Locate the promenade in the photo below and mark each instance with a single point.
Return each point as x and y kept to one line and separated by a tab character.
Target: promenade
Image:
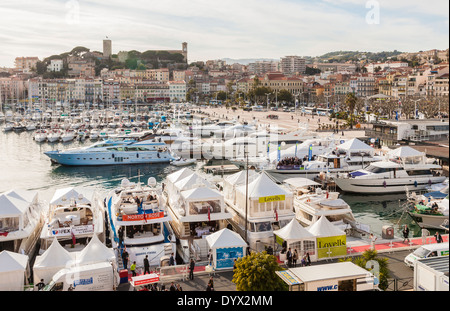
395	251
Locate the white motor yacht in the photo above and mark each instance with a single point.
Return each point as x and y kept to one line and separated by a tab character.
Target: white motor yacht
21	221
197	210
54	135
74	215
142	228
405	170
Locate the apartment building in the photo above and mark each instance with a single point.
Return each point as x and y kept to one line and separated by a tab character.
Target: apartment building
262	67
292	65
55	65
177	91
25	64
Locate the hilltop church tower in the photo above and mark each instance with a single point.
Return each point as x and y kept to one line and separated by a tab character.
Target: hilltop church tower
107	48
184	51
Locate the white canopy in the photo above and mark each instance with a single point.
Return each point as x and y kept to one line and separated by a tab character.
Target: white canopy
263	186
300	182
179	175
405	151
202	194
28	196
51	261
11	206
191	181
95	252
241	177
225	238
13	269
324	228
65	195
293	231
355	145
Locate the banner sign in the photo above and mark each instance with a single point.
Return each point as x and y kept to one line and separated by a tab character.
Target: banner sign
332	246
142	217
75	230
274	198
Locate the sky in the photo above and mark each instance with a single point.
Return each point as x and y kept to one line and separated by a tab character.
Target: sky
222	29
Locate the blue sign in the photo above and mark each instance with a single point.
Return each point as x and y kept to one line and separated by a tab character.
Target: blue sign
310	153
225	256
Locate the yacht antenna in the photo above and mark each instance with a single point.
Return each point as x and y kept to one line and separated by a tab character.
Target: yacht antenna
246	197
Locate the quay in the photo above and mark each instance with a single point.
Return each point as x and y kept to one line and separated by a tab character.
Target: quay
395	251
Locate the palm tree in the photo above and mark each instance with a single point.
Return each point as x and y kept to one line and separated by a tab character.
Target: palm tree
351	101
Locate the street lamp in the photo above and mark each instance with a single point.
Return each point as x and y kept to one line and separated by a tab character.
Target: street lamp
267	94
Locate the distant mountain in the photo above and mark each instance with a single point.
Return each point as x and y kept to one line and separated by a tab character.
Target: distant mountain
231	61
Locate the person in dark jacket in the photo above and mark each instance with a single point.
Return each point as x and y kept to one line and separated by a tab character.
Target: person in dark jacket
191	269
146	265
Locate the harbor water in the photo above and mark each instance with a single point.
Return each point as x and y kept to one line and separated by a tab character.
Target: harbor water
23	165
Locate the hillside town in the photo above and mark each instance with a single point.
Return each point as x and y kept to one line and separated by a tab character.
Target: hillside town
167	76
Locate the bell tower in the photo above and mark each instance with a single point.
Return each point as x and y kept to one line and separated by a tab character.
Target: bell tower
185	51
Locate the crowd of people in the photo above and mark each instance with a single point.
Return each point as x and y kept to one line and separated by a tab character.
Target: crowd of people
291	161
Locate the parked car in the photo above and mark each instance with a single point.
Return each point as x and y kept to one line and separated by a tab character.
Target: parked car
275	109
272	116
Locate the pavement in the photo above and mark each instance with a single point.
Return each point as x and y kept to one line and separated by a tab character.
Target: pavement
394	250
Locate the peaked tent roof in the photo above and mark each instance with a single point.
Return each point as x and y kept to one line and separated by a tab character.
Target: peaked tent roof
54	256
355	144
201	193
405	151
10	261
225	238
11	206
25	195
191	180
94	252
63	196
180	174
240	177
324	228
293	231
263	186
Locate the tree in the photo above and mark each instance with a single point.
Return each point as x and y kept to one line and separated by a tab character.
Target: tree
256	272
285	95
77	51
350	102
370	261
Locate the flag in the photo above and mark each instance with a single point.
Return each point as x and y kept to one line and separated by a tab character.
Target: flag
310	153
279	152
296	145
209	213
399	103
74	240
396	115
276	215
268	147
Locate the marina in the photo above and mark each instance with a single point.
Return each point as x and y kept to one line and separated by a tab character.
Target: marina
146	193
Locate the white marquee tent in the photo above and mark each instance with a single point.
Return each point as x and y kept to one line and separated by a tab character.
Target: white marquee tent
226	246
330	240
233	181
65	195
51	261
95	252
13	271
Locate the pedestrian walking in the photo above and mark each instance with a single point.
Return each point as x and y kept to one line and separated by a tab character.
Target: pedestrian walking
120	232
210	257
289	257
304	261
308	259
146	265
173	288
125	256
405	233
372	241
172	260
295	258
133	268
209	288
211	282
438	237
191	269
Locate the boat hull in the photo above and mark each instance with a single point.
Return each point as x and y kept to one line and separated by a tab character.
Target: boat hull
383	186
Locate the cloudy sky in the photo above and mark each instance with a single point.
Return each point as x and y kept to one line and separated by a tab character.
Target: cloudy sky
222	29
